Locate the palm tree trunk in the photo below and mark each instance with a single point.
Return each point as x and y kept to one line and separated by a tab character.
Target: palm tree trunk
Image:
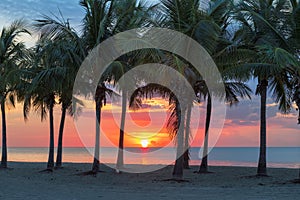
96	163
204	163
60	137
4	141
50	163
178	167
120	159
186	157
262	163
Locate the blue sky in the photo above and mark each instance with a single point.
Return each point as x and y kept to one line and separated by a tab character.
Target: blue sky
32	9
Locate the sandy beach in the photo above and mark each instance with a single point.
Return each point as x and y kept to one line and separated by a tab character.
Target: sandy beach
24	181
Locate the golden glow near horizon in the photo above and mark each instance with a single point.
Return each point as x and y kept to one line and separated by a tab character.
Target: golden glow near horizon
282	129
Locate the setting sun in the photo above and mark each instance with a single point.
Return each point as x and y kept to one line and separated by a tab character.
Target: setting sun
144	143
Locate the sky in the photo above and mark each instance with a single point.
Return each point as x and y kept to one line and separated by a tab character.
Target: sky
241	128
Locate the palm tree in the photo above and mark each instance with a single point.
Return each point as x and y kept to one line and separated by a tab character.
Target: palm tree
218	11
105	18
11	54
48	76
129	14
209	27
295	18
71	55
97	23
97	26
233	90
179	121
204	162
182	16
228	55
263	29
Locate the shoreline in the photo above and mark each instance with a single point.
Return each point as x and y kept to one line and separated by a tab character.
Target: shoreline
211	163
24	181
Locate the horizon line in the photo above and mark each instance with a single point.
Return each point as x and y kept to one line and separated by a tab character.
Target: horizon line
165	147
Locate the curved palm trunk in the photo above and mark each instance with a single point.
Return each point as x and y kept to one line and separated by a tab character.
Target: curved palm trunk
50	163
120	159
96	163
4	142
204	163
186	156
60	137
262	163
178	167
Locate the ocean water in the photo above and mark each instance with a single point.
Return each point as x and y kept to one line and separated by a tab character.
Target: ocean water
277	157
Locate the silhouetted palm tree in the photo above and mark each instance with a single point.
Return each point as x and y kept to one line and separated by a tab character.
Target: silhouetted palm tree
263	29
233	91
209	27
104	19
129	14
48	75
185	17
295	19
97	26
69	54
11	55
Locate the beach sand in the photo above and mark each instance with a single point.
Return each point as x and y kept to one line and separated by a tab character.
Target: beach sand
24	181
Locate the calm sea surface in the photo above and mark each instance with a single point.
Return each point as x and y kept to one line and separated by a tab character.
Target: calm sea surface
286	157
